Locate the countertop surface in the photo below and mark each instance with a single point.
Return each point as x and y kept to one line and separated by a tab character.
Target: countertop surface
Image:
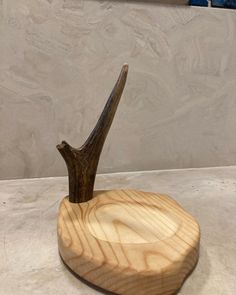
29	260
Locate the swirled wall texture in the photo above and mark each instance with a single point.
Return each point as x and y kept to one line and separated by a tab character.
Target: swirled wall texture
60	59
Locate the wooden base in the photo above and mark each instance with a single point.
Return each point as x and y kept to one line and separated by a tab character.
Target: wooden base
129	242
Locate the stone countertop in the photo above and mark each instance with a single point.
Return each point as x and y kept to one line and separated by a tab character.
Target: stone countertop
29	260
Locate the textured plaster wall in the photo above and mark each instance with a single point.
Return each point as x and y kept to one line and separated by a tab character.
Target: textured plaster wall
60	59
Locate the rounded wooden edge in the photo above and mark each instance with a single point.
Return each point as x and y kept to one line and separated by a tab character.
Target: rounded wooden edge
75	267
105	292
89	284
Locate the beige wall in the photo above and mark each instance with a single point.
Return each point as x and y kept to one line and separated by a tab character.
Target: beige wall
60	59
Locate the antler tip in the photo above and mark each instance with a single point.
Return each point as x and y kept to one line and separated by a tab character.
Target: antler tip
62	145
125	67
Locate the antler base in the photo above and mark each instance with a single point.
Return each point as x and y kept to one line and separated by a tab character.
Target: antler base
129	242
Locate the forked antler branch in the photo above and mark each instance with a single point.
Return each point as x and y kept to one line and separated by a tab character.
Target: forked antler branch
82	162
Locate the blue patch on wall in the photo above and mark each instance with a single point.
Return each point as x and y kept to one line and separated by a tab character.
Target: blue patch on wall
224	3
198	2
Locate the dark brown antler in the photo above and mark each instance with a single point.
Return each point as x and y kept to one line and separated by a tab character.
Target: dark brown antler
82	163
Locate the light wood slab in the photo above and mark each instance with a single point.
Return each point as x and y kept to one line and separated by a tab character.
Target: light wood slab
129	242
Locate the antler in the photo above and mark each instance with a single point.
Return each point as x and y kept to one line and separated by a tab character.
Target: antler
82	162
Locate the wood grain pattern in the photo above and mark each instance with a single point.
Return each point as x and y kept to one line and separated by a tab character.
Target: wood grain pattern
129	242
